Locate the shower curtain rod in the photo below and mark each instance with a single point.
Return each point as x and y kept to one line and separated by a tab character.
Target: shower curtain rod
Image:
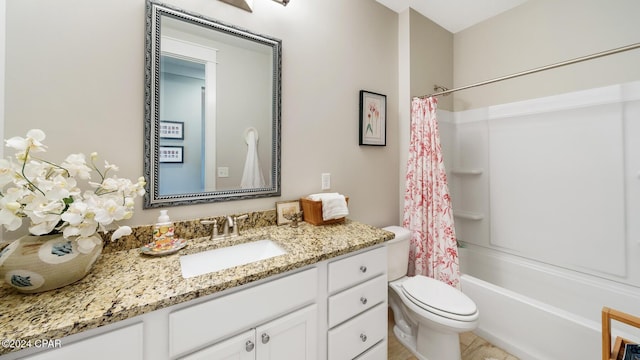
527	72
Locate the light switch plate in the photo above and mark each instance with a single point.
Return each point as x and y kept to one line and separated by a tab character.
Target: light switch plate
223	171
326	181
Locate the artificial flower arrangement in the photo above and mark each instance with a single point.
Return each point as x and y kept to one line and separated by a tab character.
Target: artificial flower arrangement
49	194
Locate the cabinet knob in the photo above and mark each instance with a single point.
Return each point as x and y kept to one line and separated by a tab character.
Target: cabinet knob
363	337
363	269
265	338
363	300
249	346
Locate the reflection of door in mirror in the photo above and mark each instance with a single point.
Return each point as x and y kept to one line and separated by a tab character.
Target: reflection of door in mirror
187	96
182	99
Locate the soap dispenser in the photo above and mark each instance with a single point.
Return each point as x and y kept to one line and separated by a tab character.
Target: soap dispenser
163	230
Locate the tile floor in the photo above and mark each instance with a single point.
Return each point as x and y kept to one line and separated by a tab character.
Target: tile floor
472	347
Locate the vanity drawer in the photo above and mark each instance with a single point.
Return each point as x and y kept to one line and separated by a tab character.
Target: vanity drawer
356	269
352	338
377	352
351	302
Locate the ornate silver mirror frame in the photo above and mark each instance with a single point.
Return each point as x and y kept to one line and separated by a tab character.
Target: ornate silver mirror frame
155	197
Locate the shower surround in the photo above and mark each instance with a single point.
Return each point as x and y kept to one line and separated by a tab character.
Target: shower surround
546	197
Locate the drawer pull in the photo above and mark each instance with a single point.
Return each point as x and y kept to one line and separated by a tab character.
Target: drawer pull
363	269
249	346
363	337
265	338
363	300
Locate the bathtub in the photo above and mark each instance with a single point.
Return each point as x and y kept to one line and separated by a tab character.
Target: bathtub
538	311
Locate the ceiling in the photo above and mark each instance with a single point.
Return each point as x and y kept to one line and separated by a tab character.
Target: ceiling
454	15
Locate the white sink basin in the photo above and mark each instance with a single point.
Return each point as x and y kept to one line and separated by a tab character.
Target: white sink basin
223	258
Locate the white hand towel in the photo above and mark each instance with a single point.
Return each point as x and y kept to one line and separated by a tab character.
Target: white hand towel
252	175
334	205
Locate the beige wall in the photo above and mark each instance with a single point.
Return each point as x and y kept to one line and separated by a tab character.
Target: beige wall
431	58
76	70
543	32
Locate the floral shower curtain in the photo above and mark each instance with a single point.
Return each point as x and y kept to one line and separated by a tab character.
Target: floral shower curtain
427	204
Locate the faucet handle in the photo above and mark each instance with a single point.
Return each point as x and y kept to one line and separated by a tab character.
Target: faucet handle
236	231
214	232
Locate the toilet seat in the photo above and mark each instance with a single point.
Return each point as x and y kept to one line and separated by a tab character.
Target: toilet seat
439	298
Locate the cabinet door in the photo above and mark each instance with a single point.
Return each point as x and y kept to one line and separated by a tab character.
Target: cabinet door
240	347
291	337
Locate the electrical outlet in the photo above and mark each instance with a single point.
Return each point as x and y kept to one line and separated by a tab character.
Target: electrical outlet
223	171
326	181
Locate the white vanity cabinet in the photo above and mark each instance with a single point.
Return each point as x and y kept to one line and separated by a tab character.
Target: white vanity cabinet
291	337
357	306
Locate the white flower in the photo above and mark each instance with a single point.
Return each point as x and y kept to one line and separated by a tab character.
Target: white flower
49	194
32	142
108	166
7	174
77	167
10	209
109	212
121	231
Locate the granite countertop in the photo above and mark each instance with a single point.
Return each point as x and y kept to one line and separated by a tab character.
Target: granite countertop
126	283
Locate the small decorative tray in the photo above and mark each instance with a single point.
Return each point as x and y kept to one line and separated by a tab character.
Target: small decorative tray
155	249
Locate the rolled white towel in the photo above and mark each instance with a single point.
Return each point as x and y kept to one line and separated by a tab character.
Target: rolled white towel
334	205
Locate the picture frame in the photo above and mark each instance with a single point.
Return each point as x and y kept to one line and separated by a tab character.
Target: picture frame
171	154
373	119
172	130
286	208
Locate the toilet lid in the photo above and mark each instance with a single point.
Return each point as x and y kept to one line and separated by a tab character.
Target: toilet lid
438	297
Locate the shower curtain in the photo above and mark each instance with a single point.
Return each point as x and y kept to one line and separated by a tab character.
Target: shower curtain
427	204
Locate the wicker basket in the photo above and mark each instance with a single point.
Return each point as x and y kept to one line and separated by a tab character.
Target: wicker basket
312	212
617	352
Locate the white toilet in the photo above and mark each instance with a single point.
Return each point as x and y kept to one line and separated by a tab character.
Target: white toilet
429	314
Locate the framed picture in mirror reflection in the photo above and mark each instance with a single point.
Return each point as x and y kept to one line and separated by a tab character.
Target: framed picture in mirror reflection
172	130
171	154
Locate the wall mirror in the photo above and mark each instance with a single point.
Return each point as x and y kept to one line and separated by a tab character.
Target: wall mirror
212	110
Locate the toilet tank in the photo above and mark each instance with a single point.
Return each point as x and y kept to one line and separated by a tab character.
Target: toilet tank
398	252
